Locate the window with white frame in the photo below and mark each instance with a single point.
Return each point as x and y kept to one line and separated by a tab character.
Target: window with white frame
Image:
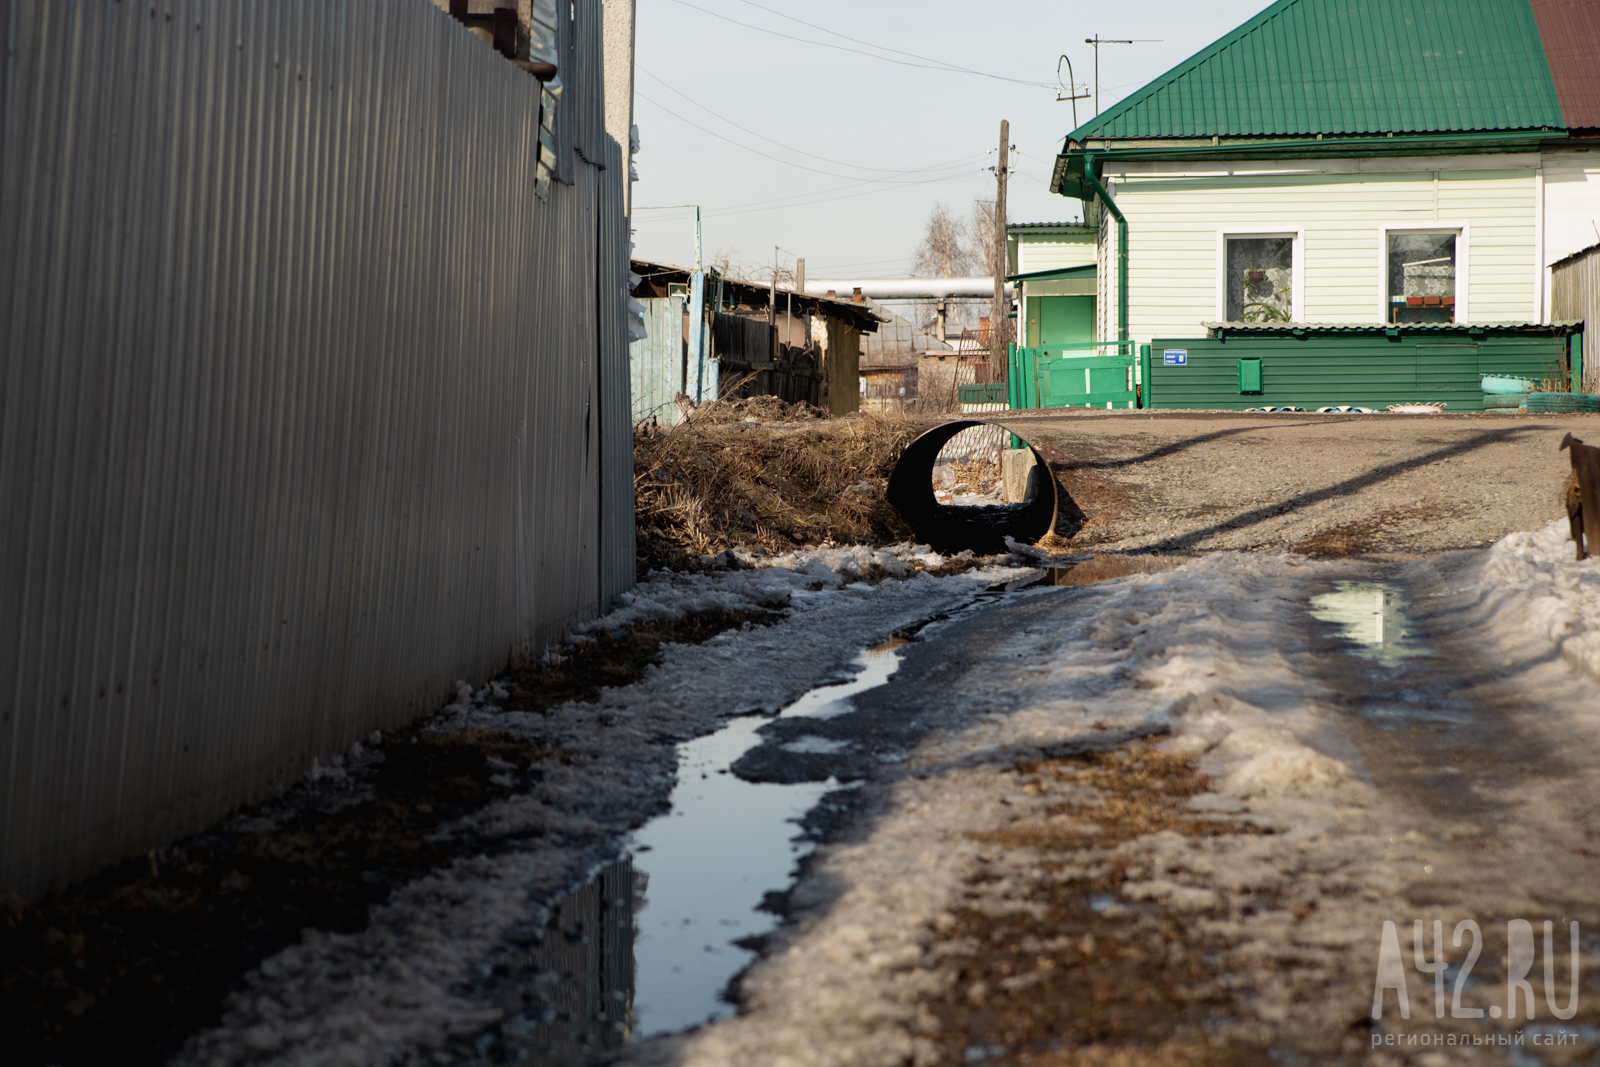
1421	271
1258	277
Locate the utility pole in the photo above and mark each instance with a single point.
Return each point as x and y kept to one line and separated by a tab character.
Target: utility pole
997	306
772	304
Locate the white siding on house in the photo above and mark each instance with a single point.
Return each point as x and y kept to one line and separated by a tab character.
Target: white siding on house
1054	251
1571	203
1173	225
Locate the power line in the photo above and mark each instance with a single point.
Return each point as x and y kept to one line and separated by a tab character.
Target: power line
948	69
787	147
780	204
768	155
831	199
943	65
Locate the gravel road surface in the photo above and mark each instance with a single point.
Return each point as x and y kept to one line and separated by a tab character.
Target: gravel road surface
1385	486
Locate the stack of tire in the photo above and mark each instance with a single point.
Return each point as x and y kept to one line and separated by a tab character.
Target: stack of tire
1504	393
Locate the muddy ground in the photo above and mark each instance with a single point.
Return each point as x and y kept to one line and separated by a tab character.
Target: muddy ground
1388	487
141	958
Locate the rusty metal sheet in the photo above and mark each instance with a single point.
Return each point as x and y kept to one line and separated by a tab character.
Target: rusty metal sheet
1570	31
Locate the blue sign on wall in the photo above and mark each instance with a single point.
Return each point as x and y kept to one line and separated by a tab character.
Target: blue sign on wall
1175	357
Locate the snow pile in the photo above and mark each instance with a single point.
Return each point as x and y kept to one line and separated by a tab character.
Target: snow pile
388	994
741	581
1211	652
1533	585
418	984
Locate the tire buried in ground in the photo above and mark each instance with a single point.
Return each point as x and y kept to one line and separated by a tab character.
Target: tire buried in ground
950	528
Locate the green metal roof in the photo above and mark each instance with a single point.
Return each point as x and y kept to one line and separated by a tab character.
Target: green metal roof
1304	67
1049	227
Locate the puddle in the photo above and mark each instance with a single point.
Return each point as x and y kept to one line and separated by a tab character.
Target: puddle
1371	615
579	1002
708	863
876	666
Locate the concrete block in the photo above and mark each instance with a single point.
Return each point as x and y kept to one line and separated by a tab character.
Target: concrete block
1015	465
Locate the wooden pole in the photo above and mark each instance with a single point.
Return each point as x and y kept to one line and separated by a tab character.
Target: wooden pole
997	306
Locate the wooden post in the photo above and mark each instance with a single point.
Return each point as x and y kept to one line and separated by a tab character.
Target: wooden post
997	307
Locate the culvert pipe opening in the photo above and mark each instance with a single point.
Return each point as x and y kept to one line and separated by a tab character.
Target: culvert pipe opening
1017	494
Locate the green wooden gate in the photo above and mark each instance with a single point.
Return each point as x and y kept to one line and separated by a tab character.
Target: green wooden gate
1073	375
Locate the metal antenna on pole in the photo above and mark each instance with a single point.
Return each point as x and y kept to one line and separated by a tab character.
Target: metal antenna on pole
1097	41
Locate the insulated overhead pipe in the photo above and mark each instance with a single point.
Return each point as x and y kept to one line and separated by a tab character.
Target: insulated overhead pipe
905	288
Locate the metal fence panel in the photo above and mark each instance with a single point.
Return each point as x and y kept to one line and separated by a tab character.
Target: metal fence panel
302	398
656	363
1575	296
618	567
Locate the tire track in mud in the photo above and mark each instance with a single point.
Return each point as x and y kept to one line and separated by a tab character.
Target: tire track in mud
1033	886
1124	948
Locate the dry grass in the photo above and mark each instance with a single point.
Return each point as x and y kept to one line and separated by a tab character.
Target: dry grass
786	478
1104	568
1058	982
120	968
1370	534
976	476
1103	503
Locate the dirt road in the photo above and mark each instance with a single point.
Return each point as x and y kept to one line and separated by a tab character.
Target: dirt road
1166	821
1384	486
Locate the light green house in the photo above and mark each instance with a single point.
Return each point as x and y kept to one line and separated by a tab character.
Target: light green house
1404	163
1053	264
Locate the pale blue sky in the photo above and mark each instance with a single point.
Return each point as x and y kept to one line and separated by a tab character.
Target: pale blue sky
840	119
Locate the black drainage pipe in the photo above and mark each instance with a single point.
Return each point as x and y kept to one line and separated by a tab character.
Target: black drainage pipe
949	528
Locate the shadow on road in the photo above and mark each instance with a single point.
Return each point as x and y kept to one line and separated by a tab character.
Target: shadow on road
1349	487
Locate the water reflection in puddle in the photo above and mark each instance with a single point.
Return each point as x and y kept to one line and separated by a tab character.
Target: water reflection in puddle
578	1002
875	665
1373	616
708	863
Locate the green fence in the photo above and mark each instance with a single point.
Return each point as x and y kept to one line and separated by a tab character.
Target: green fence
1363	367
982	393
1073	375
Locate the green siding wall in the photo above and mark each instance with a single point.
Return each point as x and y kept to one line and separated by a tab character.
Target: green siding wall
1366	369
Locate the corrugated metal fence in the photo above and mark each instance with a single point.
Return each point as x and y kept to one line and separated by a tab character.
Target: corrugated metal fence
1575	295
310	405
657	363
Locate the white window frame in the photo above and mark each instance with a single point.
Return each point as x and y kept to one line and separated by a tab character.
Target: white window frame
1462	231
1297	270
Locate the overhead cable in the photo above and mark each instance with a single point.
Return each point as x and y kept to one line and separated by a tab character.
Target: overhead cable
937	65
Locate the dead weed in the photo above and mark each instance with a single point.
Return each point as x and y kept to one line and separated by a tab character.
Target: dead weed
612	660
1104	568
121	967
1103	502
714	483
1376	533
1065	980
